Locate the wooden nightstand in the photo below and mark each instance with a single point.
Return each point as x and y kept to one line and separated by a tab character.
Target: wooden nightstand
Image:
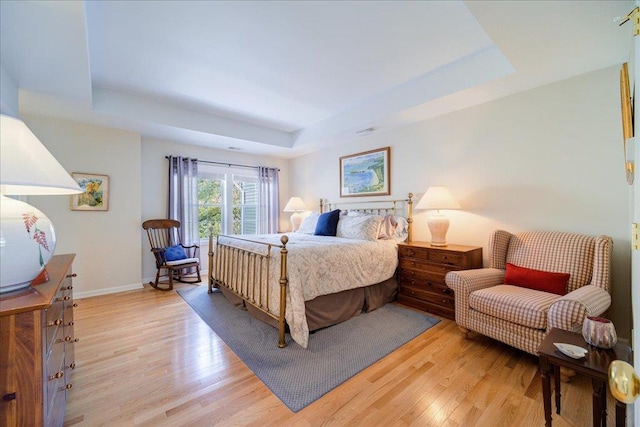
421	272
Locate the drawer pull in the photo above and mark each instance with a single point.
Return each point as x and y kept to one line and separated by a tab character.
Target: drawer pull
71	275
447	291
9	397
54	322
65	298
71	323
57	375
68	288
75	304
67	387
69	339
72	365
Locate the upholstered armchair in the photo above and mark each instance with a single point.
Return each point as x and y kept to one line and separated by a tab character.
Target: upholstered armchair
522	316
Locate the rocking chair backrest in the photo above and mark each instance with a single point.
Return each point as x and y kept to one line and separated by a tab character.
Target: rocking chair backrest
162	233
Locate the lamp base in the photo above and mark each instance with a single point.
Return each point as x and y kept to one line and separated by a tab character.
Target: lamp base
296	220
27	242
438	226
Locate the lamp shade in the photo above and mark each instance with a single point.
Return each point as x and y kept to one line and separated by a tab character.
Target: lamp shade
27	236
295	204
27	167
436	198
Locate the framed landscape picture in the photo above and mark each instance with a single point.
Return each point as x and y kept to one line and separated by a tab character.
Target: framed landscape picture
366	174
96	192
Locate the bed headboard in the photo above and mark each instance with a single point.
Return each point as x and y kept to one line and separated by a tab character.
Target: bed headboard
403	207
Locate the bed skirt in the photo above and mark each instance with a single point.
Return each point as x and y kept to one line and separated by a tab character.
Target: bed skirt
328	310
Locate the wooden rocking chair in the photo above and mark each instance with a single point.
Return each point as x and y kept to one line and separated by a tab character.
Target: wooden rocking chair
172	257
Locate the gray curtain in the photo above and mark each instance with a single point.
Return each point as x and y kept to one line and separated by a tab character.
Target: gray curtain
268	200
183	197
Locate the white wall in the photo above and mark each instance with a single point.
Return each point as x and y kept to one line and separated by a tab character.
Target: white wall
106	244
155	184
546	159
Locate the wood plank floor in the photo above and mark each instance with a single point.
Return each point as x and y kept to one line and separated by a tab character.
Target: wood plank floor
145	358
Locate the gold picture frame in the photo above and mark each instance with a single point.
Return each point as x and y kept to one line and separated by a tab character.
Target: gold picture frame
627	121
96	192
366	173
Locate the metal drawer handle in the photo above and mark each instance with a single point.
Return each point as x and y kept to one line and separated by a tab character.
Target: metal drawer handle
71	275
65	298
57	375
54	322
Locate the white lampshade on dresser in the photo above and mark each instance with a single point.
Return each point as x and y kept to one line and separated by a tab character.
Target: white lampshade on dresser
27	236
295	205
436	199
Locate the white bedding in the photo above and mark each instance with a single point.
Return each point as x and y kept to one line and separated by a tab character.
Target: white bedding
321	265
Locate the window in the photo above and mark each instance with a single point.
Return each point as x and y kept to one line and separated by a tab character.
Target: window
228	200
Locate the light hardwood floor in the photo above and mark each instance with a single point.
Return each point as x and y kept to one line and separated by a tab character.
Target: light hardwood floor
145	358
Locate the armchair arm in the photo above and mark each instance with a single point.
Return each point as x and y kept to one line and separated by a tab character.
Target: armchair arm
464	282
569	312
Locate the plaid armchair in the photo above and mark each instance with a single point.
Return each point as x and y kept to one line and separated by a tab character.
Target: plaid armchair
521	317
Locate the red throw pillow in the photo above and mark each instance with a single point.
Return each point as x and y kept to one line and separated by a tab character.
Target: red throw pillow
555	283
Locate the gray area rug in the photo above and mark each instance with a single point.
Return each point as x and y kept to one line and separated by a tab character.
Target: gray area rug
296	375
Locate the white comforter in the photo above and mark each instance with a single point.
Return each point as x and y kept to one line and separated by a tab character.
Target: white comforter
321	265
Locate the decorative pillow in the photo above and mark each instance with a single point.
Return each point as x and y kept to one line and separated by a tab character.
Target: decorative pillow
175	253
546	281
359	227
387	227
308	224
402	230
327	223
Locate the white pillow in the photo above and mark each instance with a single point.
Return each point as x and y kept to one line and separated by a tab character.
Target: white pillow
388	227
402	230
363	227
308	225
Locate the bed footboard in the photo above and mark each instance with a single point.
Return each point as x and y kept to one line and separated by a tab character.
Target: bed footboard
245	272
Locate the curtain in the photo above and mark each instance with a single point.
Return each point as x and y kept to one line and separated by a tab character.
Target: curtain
268	200
183	197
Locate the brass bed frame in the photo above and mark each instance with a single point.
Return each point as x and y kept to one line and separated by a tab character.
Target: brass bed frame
245	272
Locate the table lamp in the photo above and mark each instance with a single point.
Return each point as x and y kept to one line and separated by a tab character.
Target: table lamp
437	198
27	236
295	205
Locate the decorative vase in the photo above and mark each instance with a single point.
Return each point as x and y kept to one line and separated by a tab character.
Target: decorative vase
599	332
27	242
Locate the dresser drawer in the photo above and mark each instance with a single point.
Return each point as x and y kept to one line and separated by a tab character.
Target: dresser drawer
420	280
440	298
437	309
438	256
425	271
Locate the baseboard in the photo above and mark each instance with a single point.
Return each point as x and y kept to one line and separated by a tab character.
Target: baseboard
105	291
124	288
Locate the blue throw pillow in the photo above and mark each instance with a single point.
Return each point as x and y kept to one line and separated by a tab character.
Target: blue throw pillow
327	223
175	253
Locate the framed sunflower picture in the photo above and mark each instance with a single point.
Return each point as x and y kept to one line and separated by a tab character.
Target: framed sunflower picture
96	192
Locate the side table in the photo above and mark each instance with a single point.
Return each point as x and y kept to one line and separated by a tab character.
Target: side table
594	365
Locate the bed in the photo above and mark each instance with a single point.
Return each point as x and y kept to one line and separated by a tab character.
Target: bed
303	282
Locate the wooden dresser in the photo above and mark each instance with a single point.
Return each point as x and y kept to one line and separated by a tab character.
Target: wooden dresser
36	350
421	272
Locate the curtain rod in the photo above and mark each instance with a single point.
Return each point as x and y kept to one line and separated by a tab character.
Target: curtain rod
227	164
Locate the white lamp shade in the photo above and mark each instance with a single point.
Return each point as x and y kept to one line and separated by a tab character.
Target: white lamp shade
295	204
436	198
27	236
27	167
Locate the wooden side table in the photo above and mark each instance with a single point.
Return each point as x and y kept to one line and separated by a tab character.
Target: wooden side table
595	365
421	272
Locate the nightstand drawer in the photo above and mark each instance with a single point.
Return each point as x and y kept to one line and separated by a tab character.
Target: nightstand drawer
423	281
425	269
442	299
438	256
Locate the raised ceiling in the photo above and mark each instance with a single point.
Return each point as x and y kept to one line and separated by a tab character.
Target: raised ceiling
289	77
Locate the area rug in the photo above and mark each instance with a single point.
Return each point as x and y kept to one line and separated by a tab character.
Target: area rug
296	375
